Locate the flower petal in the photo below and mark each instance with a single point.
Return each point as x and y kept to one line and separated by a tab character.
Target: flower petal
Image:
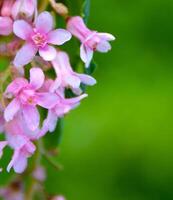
47	100
48	53
106	36
103	46
12	108
44	22
13	160
87	80
25	55
20	164
59	36
51	121
75	100
22	29
86	55
72	81
6	25
15	86
31	116
36	77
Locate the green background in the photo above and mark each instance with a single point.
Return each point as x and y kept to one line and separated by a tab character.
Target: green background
118	144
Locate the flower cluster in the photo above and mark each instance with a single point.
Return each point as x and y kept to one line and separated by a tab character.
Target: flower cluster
35	42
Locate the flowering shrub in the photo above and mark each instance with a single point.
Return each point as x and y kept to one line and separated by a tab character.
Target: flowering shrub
40	85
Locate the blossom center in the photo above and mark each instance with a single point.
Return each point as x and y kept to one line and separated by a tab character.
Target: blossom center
27	96
39	39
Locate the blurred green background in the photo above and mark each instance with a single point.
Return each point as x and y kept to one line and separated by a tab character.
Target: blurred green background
118	144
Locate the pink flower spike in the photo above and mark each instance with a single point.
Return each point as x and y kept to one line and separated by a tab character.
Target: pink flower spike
66	77
26	98
38	39
91	40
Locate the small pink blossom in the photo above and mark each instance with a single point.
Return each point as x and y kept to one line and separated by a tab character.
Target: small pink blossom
14	191
62	107
39	174
38	38
66	77
91	40
26	98
18	139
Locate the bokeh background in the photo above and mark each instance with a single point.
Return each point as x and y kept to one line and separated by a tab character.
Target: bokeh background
118	145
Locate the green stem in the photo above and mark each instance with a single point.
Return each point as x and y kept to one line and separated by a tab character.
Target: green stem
50	159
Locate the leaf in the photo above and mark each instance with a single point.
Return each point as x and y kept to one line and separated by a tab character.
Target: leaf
52	140
86	10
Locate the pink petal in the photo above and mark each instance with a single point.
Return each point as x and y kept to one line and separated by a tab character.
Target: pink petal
25	55
59	36
56	84
13	160
44	22
36	78
6	25
106	36
15	86
72	81
103	46
86	54
47	100
51	121
48	53
12	108
20	164
31	116
22	29
75	99
87	80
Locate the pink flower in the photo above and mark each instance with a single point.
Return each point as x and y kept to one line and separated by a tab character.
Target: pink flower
62	107
39	174
91	40
6	25
66	77
19	140
38	38
26	98
14	191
